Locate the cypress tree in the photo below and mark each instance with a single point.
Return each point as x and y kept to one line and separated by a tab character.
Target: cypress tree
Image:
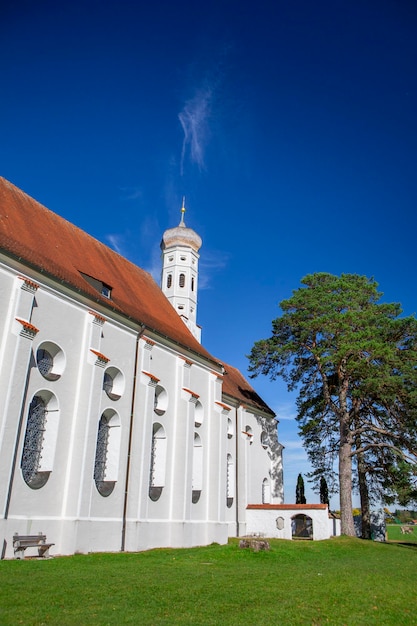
299	491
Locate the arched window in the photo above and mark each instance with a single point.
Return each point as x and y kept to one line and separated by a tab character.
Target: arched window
158	462
230	481
192	283
266	492
197	476
106	464
182	280
169	281
40	439
229	428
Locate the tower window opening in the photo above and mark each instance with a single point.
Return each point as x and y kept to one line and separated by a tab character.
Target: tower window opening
192	283
182	280
183	258
169	281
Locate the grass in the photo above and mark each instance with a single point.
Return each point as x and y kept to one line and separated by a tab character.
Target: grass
394	533
339	581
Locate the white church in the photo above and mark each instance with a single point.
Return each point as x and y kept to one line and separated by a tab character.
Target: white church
118	430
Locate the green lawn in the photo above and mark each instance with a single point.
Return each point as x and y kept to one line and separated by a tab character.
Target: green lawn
395	534
339	581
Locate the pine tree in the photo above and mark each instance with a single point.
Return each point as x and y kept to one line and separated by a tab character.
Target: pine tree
352	359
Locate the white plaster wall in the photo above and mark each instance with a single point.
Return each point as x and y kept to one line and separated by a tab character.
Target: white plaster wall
174	519
264	522
69	508
69	502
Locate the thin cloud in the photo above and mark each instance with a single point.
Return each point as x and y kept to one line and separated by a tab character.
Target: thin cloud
213	262
131	193
286	411
117	243
294	444
194	119
154	265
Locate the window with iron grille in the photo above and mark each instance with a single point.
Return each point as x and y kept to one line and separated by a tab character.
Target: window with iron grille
101	450
33	443
45	362
104	487
50	360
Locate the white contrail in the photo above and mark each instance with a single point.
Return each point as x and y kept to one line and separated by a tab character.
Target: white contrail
194	119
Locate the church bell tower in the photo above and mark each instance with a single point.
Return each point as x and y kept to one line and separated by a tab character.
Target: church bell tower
180	256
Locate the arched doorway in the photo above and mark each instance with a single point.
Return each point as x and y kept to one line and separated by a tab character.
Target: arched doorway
301	526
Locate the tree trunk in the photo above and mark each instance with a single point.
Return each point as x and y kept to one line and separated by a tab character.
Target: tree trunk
365	510
345	479
364	496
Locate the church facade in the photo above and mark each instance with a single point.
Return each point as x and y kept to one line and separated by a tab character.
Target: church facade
118	430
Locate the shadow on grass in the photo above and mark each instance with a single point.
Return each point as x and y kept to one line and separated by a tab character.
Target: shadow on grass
403	544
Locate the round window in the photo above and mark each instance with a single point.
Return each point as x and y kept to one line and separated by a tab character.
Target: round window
50	360
113	383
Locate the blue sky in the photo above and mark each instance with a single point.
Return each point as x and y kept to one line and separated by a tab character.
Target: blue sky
290	127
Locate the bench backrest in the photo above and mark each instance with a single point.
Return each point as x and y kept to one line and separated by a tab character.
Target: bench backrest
29	539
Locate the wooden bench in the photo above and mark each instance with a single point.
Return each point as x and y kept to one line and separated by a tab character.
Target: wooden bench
21	542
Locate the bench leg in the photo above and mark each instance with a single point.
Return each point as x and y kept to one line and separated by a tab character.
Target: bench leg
44	552
19	554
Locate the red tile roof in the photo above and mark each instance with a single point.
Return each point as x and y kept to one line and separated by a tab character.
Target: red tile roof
287	507
235	385
47	242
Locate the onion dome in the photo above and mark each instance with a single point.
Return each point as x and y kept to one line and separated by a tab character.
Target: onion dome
181	236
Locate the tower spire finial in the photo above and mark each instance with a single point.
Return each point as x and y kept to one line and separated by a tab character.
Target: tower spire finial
182	223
